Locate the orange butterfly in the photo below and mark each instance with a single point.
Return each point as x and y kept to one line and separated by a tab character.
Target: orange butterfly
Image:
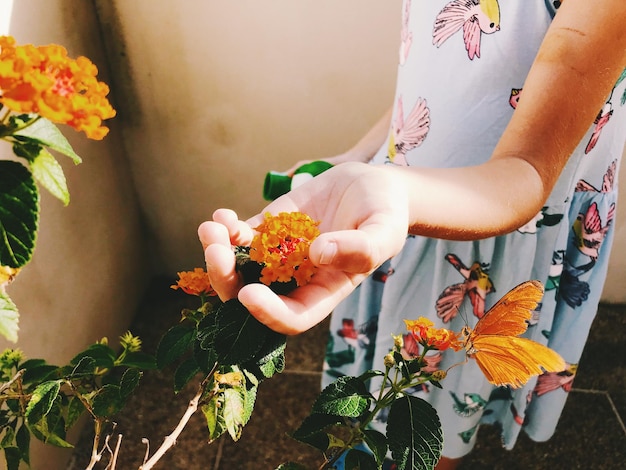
504	358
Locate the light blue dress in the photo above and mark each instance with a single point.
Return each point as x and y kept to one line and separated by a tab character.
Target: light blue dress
461	74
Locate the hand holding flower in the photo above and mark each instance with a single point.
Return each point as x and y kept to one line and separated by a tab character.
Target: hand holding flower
363	218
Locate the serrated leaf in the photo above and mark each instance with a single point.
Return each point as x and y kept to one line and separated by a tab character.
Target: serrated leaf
239	336
139	360
358	460
186	371
51	429
347	396
414	433
8	438
49	173
85	366
13	457
248	403
41	400
9	317
234	412
102	354
19	214
174	343
49	135
377	442
214	418
37	370
129	382
313	424
75	409
107	401
22	439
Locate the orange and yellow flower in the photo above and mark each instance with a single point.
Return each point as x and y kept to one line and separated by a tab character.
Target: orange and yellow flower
282	247
432	338
43	80
194	282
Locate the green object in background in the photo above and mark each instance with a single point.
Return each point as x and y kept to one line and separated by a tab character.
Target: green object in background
276	184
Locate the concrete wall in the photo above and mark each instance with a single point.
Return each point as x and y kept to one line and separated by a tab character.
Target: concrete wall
89	268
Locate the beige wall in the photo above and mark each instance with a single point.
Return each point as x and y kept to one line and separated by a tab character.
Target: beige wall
224	91
89	268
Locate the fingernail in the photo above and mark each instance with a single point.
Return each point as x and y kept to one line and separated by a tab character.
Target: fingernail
328	253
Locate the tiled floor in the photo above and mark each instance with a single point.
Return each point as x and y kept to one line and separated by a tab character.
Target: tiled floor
590	435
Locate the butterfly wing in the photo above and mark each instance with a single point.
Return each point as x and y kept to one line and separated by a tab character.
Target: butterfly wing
509	315
509	360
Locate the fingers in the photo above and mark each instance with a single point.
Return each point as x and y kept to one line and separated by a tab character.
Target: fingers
303	308
240	233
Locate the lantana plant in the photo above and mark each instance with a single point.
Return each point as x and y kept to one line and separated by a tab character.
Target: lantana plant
39	86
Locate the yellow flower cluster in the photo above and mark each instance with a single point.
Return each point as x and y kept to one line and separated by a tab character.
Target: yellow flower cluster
434	338
194	282
282	247
45	81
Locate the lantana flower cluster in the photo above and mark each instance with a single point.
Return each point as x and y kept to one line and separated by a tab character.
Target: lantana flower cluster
194	282
282	247
424	333
43	80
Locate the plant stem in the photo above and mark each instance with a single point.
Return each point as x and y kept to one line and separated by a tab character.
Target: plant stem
170	440
95	455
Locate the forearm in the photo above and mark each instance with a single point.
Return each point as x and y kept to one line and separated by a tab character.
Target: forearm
470	203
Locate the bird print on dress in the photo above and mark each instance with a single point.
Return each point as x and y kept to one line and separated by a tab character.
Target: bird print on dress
471	404
551	381
607	181
603	117
476	285
409	133
589	231
474	17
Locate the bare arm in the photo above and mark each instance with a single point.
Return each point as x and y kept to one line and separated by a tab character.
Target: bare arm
579	61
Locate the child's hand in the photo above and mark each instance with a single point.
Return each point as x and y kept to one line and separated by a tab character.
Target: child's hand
363	214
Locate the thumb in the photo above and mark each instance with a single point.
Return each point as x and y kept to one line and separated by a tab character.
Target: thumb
356	251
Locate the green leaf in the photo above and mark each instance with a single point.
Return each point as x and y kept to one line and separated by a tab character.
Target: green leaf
129	382
347	396
359	460
85	366
51	429
313	424
22	439
214	417
46	133
75	409
49	173
414	434
41	400
9	317
174	344
250	392
139	360
234	412
186	371
8	438
107	401
37	370
13	457
271	357
205	358
102	354
239	336
377	442
19	214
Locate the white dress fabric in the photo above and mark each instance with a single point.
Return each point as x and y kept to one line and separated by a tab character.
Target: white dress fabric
462	66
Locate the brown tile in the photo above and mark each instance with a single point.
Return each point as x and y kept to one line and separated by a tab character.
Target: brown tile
305	352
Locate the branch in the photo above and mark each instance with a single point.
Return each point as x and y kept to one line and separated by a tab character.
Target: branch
170	440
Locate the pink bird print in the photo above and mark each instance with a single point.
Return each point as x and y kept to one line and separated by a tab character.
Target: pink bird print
476	286
516	94
406	135
589	231
601	120
607	181
553	380
473	16
406	36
